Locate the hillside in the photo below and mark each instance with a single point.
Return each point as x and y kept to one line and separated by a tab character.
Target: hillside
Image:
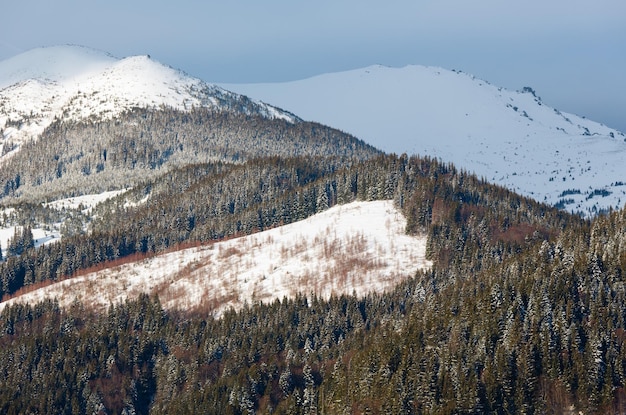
331	253
520	311
508	137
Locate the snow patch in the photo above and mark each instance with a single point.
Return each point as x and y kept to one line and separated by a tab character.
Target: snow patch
52	233
40	236
85	203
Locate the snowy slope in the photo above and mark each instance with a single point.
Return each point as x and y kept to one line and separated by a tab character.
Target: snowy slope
77	83
332	252
508	137
40	236
51	232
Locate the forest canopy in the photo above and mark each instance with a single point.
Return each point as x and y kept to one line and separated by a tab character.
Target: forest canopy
523	310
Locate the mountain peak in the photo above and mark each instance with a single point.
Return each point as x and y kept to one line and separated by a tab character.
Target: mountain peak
77	83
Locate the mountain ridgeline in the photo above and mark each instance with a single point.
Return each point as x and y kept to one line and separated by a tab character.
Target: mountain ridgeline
73	158
511	138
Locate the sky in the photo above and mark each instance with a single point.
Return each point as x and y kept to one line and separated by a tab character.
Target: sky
573	53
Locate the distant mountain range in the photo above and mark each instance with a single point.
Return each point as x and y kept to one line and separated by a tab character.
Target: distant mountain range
508	137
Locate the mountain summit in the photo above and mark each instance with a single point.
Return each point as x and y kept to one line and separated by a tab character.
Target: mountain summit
76	121
509	137
77	83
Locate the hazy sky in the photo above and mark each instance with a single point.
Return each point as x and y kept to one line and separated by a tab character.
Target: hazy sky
573	53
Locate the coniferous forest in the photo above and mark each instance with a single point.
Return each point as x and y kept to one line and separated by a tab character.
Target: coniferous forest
523	310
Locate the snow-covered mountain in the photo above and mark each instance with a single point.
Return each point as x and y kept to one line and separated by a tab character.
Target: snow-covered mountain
77	83
357	248
508	137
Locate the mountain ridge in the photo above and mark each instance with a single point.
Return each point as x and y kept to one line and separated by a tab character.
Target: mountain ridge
509	137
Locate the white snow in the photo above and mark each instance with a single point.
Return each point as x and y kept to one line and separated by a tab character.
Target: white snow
51	233
40	236
508	137
53	64
355	248
85	203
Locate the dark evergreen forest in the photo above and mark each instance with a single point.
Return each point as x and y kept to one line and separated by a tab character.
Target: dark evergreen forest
73	158
523	311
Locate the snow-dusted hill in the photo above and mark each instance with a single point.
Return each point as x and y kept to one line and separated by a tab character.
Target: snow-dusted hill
508	137
356	248
76	83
